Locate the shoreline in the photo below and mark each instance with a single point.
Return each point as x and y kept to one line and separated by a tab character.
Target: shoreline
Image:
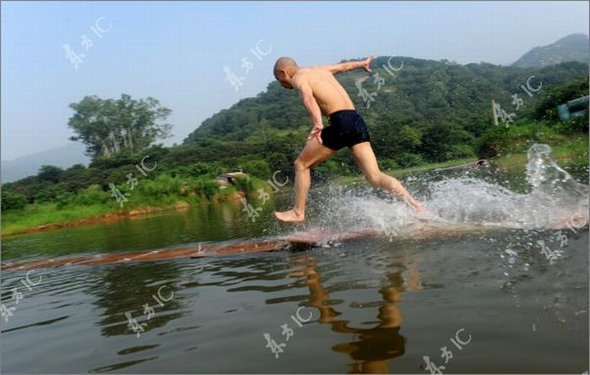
111	217
179	205
100	219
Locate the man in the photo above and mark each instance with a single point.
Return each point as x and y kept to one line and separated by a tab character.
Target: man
322	94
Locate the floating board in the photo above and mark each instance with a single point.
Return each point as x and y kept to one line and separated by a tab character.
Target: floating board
319	237
420	229
193	251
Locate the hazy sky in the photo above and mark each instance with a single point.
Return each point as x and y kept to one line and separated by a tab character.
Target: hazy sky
176	52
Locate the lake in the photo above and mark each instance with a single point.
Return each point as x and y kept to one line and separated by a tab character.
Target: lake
510	300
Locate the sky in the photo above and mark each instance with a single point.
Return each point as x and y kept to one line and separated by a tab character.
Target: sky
182	53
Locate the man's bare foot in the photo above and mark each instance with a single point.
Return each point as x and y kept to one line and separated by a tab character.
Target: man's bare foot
416	206
289	216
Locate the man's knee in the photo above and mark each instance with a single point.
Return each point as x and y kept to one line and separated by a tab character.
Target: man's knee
300	165
374	178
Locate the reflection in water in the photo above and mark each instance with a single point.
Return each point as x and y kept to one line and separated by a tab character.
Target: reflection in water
130	288
371	348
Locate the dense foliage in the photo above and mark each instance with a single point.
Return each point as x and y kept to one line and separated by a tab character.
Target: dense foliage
427	111
108	127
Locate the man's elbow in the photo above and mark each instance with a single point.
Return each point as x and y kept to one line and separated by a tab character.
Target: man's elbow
339	68
309	101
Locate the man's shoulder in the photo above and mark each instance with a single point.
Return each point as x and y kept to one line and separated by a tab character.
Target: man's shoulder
303	74
309	76
310	72
323	68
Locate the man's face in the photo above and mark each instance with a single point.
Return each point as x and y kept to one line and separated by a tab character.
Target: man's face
284	79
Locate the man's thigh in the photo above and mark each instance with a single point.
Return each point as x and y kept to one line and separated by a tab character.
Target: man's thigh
314	153
365	158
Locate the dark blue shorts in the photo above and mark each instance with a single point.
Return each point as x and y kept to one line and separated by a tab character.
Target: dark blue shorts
346	128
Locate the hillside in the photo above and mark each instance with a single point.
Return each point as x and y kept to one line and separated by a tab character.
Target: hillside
427	112
573	47
433	109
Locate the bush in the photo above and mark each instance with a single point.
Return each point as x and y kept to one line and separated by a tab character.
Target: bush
460	151
492	142
244	184
47	194
93	194
13	201
576	125
50	173
407	160
546	109
64	199
160	186
388	164
328	169
257	168
206	187
205	169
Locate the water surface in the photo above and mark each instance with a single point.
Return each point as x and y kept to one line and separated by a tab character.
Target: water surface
370	305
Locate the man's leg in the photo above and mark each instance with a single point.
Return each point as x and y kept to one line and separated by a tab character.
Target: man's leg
365	158
312	154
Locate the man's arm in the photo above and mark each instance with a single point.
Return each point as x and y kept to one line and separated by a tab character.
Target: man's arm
310	104
349	65
312	108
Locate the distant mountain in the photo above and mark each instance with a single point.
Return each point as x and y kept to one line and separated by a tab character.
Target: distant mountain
573	47
63	157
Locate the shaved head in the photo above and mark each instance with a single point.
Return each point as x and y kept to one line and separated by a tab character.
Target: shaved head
284	63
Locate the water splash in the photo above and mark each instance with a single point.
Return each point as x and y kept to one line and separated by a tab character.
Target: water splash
555	197
532	247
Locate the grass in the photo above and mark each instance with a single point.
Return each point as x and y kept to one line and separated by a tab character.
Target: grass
34	215
400	173
166	192
565	150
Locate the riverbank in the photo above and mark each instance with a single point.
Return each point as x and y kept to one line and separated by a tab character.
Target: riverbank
48	216
571	152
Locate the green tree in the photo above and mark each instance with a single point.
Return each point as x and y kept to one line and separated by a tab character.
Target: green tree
257	168
108	127
50	173
546	109
12	201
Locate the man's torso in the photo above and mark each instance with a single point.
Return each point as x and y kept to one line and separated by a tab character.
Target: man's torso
327	91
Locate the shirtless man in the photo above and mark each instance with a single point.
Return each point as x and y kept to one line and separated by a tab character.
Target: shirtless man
322	94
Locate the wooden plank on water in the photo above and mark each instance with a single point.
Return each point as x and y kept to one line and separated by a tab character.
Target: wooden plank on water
419	230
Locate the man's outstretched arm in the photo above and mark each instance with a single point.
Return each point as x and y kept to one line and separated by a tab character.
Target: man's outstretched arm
349	65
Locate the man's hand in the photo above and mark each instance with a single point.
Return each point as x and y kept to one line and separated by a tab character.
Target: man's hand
350	65
367	63
316	132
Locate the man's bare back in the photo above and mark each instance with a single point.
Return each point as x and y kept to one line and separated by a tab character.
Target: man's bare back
327	91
